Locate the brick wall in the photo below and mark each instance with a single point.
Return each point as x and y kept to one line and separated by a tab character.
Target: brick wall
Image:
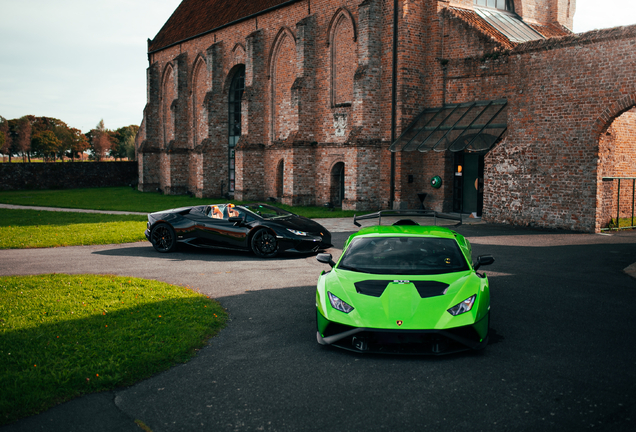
305	89
546	172
71	175
319	78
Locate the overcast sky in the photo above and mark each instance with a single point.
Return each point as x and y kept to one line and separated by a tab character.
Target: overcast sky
85	60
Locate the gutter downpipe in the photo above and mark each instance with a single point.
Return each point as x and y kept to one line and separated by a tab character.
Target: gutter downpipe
394	100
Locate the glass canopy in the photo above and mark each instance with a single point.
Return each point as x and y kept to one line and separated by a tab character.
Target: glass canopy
472	126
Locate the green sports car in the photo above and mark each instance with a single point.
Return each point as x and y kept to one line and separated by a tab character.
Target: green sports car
404	288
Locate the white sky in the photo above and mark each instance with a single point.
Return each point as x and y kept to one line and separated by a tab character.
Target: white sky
85	60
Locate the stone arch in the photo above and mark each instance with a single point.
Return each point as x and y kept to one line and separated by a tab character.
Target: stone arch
615	133
609	114
337	184
279	184
342	42
199	88
168	95
282	71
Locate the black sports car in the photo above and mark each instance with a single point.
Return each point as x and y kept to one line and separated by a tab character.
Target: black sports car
264	229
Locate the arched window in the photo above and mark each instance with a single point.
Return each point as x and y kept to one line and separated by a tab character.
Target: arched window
342	39
507	5
199	113
337	188
280	178
168	95
234	119
283	71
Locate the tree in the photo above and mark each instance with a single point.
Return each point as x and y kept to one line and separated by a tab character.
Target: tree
12	138
5	138
79	143
46	143
124	142
100	141
24	137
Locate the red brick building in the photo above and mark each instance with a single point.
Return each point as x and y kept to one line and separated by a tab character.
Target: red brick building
362	103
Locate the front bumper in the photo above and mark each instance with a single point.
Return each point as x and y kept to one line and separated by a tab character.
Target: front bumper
390	341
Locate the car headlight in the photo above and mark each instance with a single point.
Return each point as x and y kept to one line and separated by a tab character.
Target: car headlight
338	304
298	233
463	307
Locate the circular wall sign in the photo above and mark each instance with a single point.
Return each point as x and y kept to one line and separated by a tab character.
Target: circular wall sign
436	182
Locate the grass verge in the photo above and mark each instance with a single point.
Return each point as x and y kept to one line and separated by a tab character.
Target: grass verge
21	229
128	199
624	223
62	336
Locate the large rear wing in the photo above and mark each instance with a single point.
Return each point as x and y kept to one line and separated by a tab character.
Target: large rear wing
421	213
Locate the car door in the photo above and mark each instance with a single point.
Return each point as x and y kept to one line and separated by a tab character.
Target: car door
234	235
214	229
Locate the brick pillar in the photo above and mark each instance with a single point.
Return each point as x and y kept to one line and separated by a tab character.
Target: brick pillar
363	177
300	173
303	89
250	171
148	151
250	163
410	83
174	160
300	161
366	84
209	158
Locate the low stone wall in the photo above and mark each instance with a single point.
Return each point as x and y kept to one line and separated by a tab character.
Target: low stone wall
66	175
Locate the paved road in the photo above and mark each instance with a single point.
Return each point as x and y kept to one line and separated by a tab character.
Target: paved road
562	356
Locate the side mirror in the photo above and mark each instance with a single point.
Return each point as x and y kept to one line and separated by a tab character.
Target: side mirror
236	220
325	258
483	260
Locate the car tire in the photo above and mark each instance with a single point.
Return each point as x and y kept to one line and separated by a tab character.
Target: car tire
163	238
264	244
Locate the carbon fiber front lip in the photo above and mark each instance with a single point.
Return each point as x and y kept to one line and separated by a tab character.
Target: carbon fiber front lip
457	343
339	336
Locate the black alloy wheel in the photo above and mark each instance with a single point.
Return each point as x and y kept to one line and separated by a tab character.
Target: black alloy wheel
264	244
163	238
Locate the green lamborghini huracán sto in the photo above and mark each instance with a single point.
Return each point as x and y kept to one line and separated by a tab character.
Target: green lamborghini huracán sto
404	288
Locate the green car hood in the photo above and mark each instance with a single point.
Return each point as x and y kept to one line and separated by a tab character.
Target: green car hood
400	304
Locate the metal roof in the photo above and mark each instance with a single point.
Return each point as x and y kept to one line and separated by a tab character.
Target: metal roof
510	24
472	126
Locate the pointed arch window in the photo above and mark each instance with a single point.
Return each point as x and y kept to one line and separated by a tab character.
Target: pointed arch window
343	47
337	189
234	123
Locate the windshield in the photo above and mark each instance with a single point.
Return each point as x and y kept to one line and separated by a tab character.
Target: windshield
266	211
403	255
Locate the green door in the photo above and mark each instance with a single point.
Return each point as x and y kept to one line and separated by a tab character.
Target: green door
469	183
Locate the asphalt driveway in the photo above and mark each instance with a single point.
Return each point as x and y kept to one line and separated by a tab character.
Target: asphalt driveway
562	354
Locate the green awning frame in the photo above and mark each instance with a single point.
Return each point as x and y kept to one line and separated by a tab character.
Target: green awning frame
471	126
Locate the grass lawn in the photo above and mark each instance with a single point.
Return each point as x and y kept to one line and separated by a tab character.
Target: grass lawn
128	199
21	229
62	336
623	223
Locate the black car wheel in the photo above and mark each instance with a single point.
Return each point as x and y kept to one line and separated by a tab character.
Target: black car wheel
264	244
163	238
